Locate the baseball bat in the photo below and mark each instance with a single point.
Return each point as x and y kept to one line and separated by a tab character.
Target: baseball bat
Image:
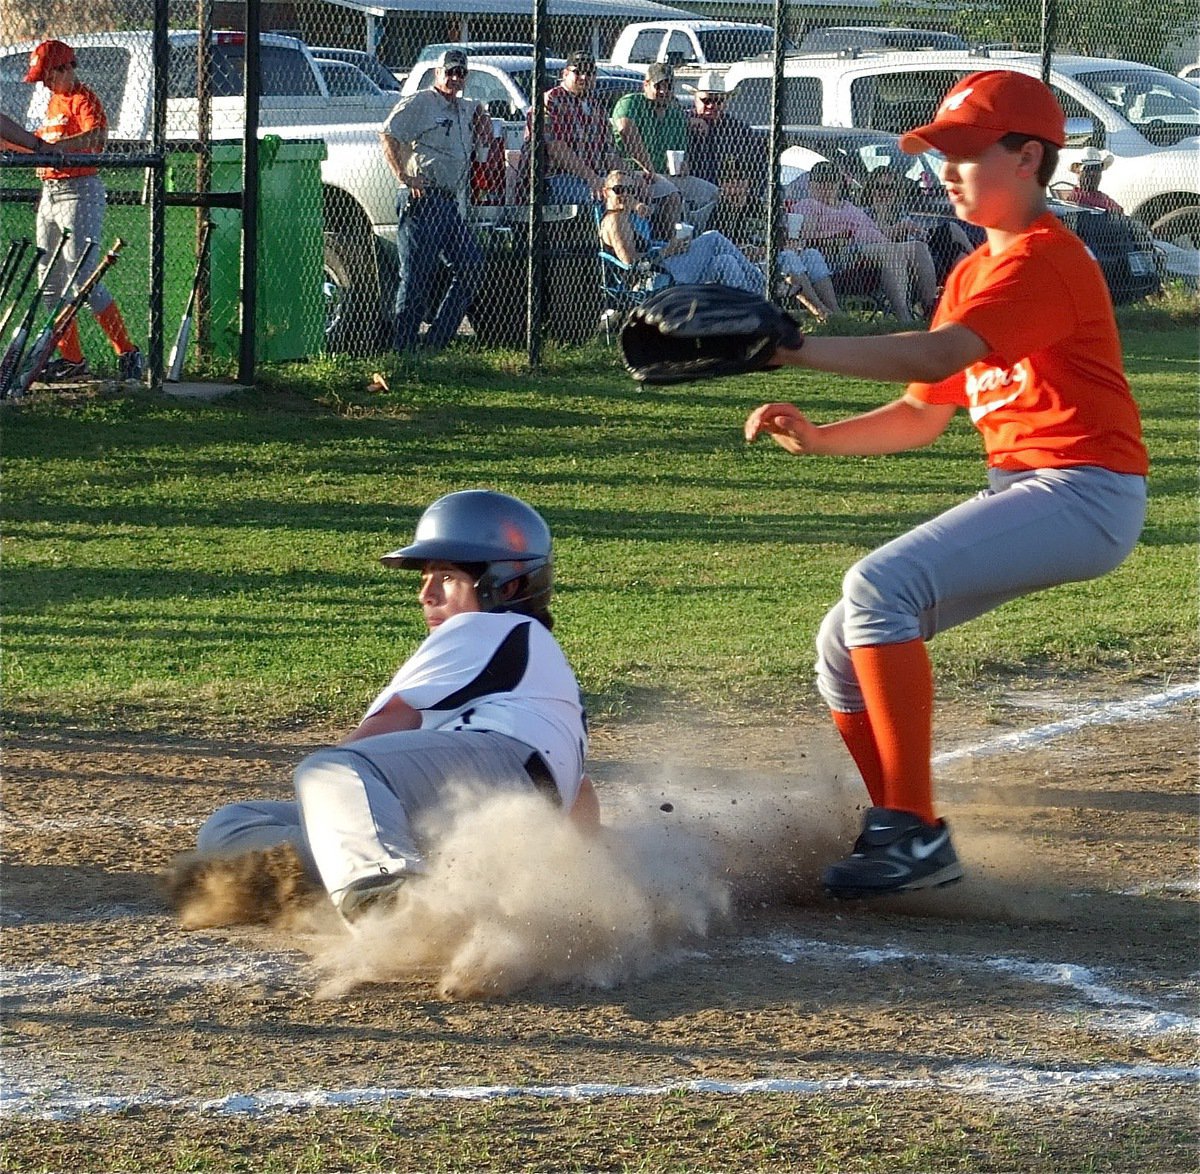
70	312
20	336
24	285
12	262
43	347
179	350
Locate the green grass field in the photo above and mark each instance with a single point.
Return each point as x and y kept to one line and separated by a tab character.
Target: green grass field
218	561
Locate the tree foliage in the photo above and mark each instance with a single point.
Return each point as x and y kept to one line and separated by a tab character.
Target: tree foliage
1137	30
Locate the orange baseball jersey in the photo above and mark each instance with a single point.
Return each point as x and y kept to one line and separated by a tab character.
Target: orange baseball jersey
66	115
1053	391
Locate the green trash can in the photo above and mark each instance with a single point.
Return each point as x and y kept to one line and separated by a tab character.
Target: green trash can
290	321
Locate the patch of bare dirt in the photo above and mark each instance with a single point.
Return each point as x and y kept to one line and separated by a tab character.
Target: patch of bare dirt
1063	966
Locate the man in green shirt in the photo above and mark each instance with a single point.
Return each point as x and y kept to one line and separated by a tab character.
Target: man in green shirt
647	126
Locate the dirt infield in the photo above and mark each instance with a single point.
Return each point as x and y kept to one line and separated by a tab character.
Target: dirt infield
716	1012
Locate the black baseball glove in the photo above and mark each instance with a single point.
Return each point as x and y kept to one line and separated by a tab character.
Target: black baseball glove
702	331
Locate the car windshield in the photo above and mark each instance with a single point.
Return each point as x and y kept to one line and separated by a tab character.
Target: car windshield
1163	107
523	80
857	157
735	44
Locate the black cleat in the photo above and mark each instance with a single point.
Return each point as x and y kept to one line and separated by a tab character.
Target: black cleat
64	371
895	853
369	893
131	367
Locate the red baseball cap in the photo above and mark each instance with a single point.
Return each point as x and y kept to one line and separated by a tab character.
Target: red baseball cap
47	56
985	107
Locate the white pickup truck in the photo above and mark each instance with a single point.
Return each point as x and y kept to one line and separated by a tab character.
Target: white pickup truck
691	46
358	189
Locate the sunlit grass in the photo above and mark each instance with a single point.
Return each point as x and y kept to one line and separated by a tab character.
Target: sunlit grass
169	557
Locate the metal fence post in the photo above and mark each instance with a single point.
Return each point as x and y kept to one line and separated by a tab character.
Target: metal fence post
775	147
157	192
536	262
1049	33
249	271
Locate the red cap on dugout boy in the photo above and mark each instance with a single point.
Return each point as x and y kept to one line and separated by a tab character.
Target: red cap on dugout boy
47	56
983	108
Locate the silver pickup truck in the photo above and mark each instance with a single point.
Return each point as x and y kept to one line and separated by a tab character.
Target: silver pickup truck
358	189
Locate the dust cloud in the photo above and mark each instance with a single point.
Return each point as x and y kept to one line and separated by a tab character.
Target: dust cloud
515	895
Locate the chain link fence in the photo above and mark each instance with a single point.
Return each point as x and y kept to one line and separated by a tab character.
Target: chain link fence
740	110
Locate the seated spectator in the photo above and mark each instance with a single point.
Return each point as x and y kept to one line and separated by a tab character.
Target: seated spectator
1086	191
706	258
885	195
648	125
728	153
847	235
809	280
580	147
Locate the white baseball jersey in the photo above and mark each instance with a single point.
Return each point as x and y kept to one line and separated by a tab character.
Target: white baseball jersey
500	672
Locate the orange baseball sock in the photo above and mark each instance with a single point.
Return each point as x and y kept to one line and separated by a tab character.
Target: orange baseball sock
856	732
897	684
68	345
113	325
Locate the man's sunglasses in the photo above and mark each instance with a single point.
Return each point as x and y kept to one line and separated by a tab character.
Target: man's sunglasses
584	70
620	189
711	100
663	85
456	71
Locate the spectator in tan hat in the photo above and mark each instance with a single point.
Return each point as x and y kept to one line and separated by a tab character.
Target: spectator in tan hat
1086	190
726	151
648	125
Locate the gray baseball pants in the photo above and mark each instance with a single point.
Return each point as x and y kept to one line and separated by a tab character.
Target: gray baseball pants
356	804
1028	530
78	205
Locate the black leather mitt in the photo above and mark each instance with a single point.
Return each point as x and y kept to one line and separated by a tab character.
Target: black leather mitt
689	332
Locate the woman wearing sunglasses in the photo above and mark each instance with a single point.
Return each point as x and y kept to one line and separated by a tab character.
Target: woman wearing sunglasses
709	257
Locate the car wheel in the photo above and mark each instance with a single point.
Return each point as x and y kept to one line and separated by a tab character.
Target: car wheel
1180	227
350	287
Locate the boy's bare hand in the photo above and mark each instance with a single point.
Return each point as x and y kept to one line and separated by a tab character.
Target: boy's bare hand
785	424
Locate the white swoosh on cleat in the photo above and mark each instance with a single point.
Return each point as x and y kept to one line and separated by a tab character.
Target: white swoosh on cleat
924	851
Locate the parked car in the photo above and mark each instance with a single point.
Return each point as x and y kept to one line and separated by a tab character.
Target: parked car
375	69
433	51
1122	246
839	38
691	46
1147	119
345	80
